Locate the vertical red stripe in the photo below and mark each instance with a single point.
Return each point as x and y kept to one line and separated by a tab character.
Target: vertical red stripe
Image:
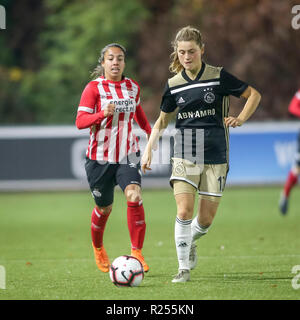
120	124
87	154
139	91
129	131
119	91
96	130
107	137
134	139
92	149
93	152
119	136
129	128
129	88
105	85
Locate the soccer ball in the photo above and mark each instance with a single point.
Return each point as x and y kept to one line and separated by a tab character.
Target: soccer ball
126	271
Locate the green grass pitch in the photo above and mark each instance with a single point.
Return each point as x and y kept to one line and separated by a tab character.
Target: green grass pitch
248	254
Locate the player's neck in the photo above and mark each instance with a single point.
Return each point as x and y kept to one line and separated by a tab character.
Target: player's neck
113	78
192	74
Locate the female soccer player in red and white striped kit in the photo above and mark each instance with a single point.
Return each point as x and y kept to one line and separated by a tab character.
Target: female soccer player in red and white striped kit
108	106
292	178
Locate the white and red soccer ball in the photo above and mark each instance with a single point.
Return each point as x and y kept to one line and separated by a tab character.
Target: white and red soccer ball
126	271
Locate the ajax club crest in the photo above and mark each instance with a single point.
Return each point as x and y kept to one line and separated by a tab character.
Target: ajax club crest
209	97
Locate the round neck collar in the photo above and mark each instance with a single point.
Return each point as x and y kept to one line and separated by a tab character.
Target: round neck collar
112	81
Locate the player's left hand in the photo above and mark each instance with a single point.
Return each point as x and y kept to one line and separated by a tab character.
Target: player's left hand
146	160
233	122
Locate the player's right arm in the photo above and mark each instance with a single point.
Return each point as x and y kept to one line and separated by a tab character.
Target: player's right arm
157	131
86	113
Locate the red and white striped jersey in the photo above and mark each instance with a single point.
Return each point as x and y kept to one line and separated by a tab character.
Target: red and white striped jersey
111	138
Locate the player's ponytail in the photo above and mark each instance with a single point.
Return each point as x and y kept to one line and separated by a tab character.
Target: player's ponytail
99	70
185	34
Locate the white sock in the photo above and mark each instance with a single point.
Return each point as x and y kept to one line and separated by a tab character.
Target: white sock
197	230
183	240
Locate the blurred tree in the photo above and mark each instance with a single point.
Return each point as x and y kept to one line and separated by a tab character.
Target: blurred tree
19	52
76	32
254	40
43	73
50	46
153	53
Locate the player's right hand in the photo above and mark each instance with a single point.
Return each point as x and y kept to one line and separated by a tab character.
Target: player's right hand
109	110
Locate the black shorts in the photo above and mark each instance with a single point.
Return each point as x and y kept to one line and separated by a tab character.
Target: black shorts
103	178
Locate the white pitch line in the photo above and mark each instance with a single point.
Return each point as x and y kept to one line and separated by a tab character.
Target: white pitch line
243	257
161	258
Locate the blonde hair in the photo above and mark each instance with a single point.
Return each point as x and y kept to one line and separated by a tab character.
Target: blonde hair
185	34
99	70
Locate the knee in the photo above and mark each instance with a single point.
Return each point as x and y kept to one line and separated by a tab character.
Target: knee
133	194
296	170
206	219
185	213
205	223
104	210
207	212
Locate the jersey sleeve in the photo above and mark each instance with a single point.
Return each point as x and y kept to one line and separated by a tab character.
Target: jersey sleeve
88	98
168	103
141	119
230	85
139	115
86	115
294	106
137	98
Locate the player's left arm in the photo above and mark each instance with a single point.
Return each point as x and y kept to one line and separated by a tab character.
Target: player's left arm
157	131
253	98
142	121
139	115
